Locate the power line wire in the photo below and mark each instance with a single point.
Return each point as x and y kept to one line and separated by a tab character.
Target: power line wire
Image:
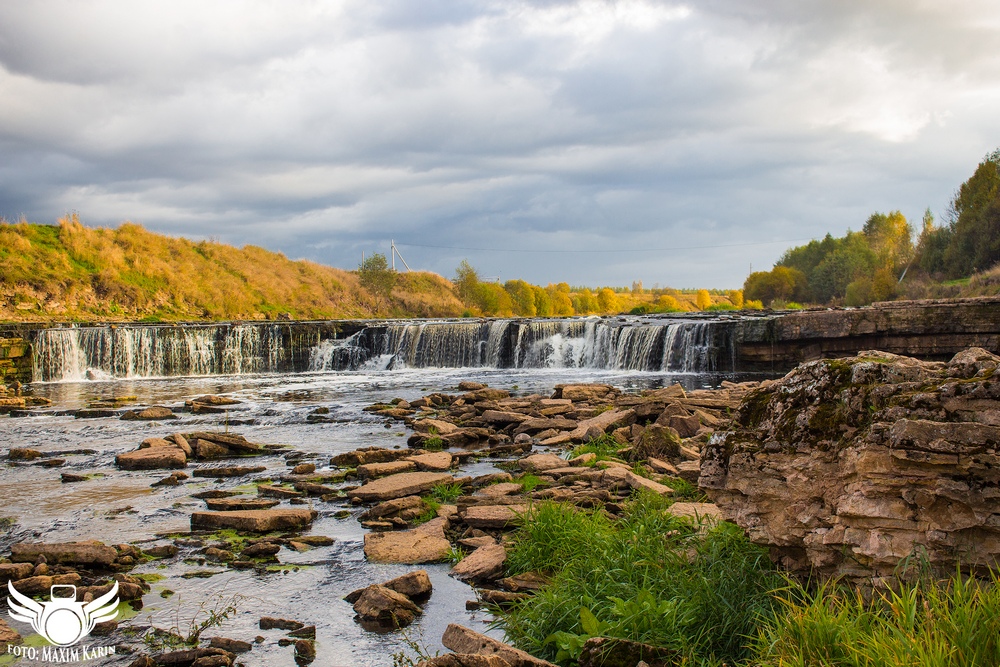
535	250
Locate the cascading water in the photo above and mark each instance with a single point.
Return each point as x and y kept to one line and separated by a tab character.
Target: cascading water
633	344
136	351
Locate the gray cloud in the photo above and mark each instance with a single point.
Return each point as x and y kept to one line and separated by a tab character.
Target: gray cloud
322	130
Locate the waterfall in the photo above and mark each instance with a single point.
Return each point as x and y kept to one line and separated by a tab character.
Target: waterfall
138	351
615	344
143	351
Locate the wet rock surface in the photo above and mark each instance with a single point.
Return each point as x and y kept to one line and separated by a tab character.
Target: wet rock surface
847	466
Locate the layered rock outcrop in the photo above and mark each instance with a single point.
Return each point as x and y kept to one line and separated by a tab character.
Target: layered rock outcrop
844	467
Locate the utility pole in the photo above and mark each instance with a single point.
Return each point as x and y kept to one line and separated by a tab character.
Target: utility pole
395	252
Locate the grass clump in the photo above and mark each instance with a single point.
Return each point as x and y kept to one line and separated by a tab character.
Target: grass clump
685	491
431	507
953	623
529	482
647	576
605	446
433	444
446	493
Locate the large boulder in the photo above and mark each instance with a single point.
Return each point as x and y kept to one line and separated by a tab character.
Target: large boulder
386	607
845	467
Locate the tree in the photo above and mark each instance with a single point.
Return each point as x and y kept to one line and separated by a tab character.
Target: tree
466	281
736	297
702	299
376	277
543	304
890	237
975	225
522	297
667	304
584	302
562	304
607	300
492	299
780	283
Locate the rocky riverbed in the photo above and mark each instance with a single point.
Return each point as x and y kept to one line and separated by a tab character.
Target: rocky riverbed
235	538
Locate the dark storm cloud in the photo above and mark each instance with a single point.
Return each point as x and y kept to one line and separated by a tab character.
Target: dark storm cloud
680	133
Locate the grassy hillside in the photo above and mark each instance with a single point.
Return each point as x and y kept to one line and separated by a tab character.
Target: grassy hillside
69	271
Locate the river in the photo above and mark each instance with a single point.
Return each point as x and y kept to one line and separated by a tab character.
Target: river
119	506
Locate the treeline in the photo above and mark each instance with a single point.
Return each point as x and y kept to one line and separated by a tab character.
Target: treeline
882	262
520	298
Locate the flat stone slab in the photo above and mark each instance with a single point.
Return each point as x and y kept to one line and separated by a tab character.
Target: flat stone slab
432	461
423	544
435	426
152	458
603	421
615	478
65	553
278	491
403	484
233	504
493	516
500	490
254	521
541	462
503	417
483	564
374	470
229	471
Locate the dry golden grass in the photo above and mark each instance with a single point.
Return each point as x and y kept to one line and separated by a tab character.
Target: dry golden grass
74	272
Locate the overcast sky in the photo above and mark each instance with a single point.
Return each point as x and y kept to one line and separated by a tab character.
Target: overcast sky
675	143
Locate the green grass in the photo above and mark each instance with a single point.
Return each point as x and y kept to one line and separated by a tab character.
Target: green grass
605	446
685	491
433	444
647	576
431	508
529	482
446	493
954	623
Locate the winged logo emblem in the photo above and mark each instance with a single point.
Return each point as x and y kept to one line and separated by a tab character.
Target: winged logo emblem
62	620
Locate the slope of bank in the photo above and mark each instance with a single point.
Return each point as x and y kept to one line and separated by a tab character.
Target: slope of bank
69	271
